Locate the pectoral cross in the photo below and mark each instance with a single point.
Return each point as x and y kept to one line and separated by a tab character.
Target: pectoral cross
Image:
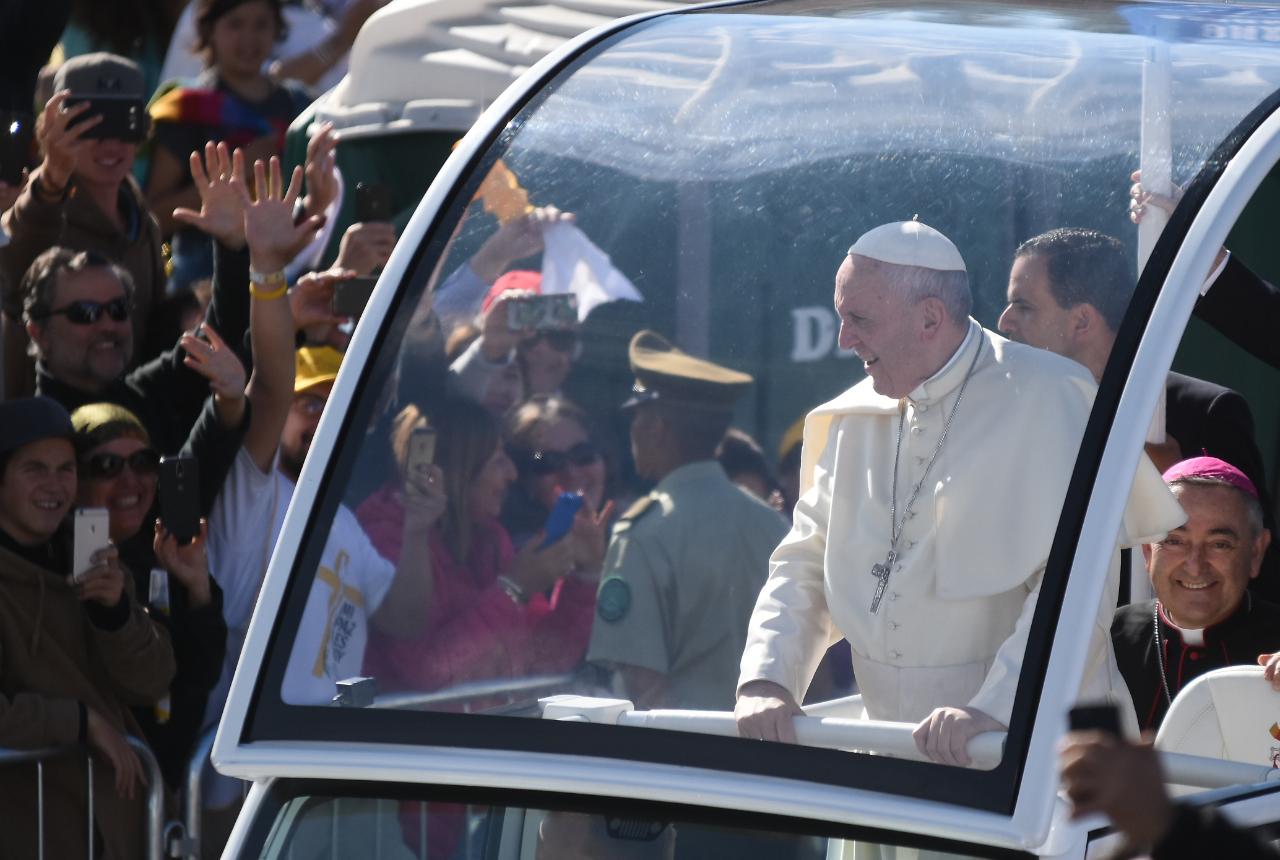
881	573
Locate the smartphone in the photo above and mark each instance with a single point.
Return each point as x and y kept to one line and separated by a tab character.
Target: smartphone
373	202
350	297
561	518
422	450
16	135
543	313
180	497
92	533
1103	717
123	118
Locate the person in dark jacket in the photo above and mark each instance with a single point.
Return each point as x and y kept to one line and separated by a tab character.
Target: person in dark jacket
75	652
119	471
1068	291
1203	617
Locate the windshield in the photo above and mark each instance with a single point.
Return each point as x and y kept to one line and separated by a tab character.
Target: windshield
576	496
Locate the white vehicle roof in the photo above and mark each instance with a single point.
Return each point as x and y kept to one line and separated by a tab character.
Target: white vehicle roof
435	65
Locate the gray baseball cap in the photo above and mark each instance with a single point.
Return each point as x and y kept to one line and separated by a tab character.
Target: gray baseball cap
100	74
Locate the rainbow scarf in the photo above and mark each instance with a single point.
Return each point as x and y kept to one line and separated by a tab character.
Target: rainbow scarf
227	118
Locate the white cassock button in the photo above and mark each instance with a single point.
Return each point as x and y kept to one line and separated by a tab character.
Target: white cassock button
922	409
895	654
893	625
919	461
917	430
893	595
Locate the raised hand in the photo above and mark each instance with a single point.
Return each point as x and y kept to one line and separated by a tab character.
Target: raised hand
515	240
590	537
189	563
535	569
1140	198
424	498
62	143
311	301
366	246
215	361
321	170
274	240
497	339
222	205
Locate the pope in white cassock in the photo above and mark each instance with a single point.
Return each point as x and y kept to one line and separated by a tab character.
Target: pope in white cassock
930	493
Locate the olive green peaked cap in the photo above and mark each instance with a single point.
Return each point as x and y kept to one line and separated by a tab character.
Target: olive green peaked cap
667	373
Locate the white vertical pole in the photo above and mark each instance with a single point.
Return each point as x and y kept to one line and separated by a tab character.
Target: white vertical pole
1157	172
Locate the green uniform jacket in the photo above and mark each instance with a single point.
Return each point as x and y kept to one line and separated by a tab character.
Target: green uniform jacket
680	580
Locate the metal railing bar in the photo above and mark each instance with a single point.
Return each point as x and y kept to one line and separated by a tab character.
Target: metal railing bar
155	799
470	690
89	769
193	802
40	809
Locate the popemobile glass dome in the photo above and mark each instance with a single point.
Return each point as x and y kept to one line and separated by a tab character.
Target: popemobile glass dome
724	159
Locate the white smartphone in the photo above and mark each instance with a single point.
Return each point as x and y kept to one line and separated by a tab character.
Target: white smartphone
92	533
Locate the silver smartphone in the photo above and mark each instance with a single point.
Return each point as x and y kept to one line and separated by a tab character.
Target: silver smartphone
92	533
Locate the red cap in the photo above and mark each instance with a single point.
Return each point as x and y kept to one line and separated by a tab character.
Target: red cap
1213	469
520	279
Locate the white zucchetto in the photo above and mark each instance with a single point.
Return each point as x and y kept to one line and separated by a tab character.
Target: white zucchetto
909	243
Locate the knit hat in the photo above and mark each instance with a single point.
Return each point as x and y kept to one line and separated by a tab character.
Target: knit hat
99	423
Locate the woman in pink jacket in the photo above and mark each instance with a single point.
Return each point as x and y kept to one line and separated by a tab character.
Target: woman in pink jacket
495	613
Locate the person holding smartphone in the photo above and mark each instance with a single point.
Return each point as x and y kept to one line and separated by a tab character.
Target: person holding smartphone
119	470
76	655
83	196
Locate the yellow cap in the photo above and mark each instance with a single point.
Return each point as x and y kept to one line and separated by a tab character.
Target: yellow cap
316	366
664	372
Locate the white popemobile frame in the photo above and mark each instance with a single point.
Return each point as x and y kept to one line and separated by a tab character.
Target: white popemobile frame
1037	808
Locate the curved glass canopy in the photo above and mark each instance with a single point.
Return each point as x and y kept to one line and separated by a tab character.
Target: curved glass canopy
721	162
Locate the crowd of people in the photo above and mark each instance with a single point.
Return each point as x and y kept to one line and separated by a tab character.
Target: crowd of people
161	300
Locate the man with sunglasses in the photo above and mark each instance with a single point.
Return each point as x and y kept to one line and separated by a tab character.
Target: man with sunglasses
83	195
685	562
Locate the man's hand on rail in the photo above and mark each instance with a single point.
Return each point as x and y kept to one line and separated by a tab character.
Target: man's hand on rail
1272	670
764	711
944	735
114	747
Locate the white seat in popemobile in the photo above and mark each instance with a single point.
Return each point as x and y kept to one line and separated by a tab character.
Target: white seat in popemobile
1230	714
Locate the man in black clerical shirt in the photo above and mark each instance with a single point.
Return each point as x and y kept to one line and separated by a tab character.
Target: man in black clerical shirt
1203	617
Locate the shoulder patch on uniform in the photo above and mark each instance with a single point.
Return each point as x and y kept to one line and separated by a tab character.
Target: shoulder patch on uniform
638	508
613	601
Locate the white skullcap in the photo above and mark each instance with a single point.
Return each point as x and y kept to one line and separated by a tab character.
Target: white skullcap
909	243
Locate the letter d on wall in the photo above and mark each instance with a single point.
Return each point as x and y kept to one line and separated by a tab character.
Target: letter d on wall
813	333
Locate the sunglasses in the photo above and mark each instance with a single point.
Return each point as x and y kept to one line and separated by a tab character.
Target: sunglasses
560	341
102	467
543	463
88	312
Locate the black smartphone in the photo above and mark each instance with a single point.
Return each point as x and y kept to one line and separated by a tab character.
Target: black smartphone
1103	717
180	497
373	202
16	136
350	297
122	118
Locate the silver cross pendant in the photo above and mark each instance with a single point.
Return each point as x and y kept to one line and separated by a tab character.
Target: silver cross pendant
881	573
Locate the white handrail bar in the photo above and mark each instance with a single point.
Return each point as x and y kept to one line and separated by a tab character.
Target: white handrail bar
1204	772
470	690
193	801
885	738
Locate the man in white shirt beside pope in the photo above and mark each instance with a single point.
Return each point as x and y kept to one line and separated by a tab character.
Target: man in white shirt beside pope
941	476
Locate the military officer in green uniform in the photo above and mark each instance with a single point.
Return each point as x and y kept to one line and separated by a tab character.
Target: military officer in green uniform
686	562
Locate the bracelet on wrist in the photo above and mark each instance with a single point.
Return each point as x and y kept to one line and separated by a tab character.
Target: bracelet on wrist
267	286
46	189
515	592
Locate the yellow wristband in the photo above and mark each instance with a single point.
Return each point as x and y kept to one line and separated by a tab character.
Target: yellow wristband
276	283
272	295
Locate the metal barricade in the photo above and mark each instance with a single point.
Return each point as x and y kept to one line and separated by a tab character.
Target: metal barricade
155	792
